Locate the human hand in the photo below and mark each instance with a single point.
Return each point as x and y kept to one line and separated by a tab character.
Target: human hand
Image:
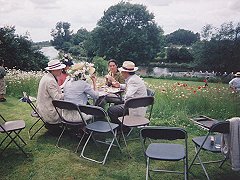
116	84
93	77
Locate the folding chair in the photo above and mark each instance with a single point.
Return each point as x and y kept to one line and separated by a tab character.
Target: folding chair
12	130
101	125
135	121
164	151
35	115
60	106
207	143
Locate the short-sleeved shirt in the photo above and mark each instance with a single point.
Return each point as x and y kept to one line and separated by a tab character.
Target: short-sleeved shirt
117	76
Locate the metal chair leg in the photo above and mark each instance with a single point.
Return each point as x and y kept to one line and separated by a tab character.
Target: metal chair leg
60	136
13	140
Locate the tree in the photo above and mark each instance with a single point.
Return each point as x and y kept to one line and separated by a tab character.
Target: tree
221	52
18	51
61	34
172	55
182	37
184	56
127	31
207	32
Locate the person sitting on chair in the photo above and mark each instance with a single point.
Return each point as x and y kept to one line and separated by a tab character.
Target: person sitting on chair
49	90
134	87
113	76
235	83
77	89
64	74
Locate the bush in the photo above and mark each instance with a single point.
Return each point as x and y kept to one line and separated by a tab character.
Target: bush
101	65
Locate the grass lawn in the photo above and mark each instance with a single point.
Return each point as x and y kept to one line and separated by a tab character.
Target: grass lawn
46	161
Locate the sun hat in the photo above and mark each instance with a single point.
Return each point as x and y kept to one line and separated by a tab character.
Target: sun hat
237	74
81	70
128	66
55	65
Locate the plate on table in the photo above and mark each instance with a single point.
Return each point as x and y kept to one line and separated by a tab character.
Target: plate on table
113	90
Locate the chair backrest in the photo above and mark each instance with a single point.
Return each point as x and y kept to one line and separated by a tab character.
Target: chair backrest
150	92
220	127
32	105
93	110
65	105
139	102
164	133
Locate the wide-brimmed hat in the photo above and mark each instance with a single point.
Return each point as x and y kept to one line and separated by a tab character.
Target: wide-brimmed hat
55	65
128	66
237	74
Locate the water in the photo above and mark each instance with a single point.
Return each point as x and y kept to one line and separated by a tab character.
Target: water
50	52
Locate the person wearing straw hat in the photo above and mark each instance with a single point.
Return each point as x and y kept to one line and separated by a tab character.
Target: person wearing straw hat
134	87
235	82
49	90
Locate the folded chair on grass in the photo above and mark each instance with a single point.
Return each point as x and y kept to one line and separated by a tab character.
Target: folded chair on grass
208	143
12	130
61	106
35	115
132	121
168	150
100	125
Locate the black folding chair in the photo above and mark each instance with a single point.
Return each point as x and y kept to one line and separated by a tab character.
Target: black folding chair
60	106
167	150
100	125
135	121
208	143
12	130
35	115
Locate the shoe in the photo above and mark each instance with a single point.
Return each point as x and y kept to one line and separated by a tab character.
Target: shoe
2	99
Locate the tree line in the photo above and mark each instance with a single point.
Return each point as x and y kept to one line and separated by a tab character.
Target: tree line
129	31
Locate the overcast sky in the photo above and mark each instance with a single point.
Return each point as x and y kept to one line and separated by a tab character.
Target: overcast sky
38	17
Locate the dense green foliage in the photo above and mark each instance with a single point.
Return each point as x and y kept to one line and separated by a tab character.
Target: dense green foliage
220	48
18	51
181	55
182	37
128	31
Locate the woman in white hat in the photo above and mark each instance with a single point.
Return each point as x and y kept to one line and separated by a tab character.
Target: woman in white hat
235	82
135	88
49	90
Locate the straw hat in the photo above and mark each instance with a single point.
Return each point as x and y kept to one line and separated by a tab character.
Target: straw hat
237	74
128	66
55	65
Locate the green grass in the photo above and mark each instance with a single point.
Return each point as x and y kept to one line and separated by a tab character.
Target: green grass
171	108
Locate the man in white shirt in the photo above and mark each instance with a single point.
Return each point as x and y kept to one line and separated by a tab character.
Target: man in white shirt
134	87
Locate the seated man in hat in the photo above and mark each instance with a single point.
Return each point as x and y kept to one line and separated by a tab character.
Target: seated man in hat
135	88
235	82
49	90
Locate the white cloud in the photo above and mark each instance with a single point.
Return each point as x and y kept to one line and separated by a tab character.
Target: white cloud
38	17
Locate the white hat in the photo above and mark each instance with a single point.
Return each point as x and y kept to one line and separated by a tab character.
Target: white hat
128	66
237	74
55	65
